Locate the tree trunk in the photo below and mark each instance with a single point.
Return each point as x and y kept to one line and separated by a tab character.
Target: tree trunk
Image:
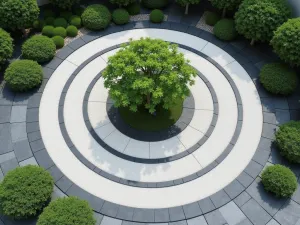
252	42
148	99
224	13
187	9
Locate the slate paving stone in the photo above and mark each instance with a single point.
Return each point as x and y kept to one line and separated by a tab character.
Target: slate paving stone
269	118
273	222
132	223
269	131
296	196
7	156
5	114
206	205
267	105
265	144
255	213
143	215
245	179
295	114
57	193
5	138
34	101
9	221
193	30
172	18
215	218
125	213
289	214
18	132
48	71
98	217
22	150
242	199
64	183
54	63
261	156
220	198
232	213
43	159
161	215
282	116
21	98
176	213
294	103
192	210
253	169
234	189
183	222
65	52
33	136
109	209
32	115
37	145
55	173
280	103
110	221
245	222
9	165
197	221
30	161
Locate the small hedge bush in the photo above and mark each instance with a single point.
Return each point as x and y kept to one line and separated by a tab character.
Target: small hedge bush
156	16
225	30
39	48
72	31
134	9
155	4
23	75
278	78
49	13
67	211
38	25
75	21
25	191
48	31
60	22
58	41
211	18
120	16
96	17
288	141
6	46
279	180
66	15
49	21
60	31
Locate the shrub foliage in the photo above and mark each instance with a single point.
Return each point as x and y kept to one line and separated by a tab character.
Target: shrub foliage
64	4
60	22
58	41
48	31
96	17
157	16
121	3
134	9
155	4
120	16
211	18
6	46
225	30
225	5
60	31
75	21
72	31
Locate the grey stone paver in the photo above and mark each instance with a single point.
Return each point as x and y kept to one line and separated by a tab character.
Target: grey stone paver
30	161
110	221
220	198
18	114
206	205
22	150
255	213
9	165
232	213
18	132
273	222
7	156
289	214
5	114
197	221
215	218
242	199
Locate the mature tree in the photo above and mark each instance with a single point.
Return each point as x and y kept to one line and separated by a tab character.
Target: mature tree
226	5
18	14
121	3
148	72
64	4
258	19
187	3
286	42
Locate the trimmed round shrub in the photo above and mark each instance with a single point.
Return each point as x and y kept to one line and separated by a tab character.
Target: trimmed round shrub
75	21
66	15
286	43
25	191
120	16
67	211
60	22
64	4
58	41
279	180
38	25
48	13
225	30
23	75
39	48
60	31
211	18
96	17
288	141
278	78
156	16
18	14
49	21
134	8
72	31
48	31
155	4
6	46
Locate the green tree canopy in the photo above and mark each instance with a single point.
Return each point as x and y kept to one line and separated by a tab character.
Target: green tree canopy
148	72
121	3
187	3
64	4
225	4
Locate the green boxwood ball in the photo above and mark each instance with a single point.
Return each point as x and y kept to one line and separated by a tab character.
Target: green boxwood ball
120	16
211	18
23	75
49	21
60	31
279	180
66	15
39	48
134	9
155	4
25	191
67	211
287	139
156	16
38	25
60	22
225	30
96	17
49	13
48	31
278	78
58	41
6	46
72	31
75	21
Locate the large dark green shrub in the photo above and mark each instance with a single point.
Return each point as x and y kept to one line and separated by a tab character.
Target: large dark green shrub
58	41
78	10
38	48
155	4
72	31
225	5
23	75
258	19
286	42
288	141
120	16
18	14
279	180
134	8
156	16
60	31
66	15
38	25
121	3
60	22
75	21
67	211
64	4
96	17
278	78
48	31
6	46
25	191
211	18
49	21
49	13
225	30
